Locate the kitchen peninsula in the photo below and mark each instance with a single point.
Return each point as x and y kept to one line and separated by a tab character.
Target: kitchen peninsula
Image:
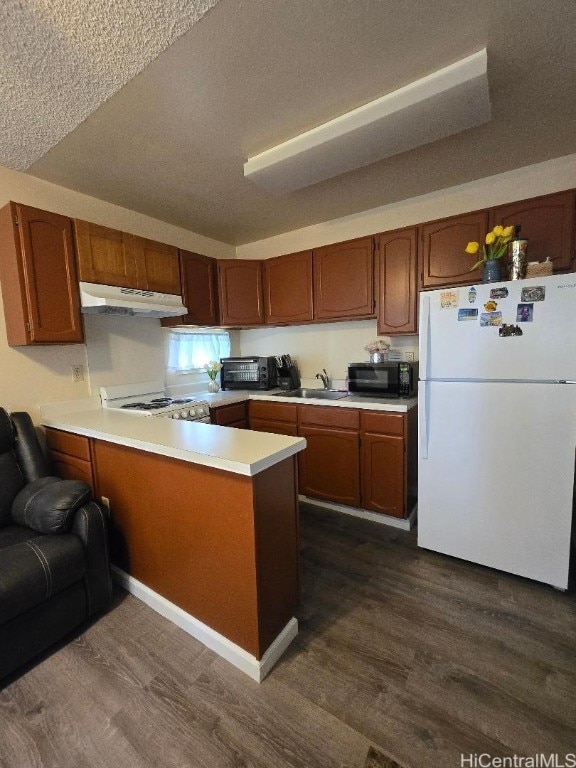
204	523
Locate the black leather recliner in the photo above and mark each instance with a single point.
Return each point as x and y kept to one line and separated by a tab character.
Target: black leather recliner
54	565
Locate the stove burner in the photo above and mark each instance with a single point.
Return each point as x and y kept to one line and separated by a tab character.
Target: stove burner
152	406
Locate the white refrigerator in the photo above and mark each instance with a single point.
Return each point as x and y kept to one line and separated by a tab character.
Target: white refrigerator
497	424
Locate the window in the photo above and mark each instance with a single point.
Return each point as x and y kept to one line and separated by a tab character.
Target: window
191	350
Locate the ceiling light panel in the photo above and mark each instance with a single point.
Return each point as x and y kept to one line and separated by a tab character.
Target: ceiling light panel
441	104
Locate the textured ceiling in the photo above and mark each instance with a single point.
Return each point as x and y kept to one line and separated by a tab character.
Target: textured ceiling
61	60
171	143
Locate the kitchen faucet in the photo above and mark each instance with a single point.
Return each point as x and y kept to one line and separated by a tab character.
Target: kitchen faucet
324	377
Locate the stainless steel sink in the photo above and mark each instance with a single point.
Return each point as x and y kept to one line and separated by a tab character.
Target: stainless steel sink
317	394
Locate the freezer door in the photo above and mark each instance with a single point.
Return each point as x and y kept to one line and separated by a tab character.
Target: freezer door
455	344
496	475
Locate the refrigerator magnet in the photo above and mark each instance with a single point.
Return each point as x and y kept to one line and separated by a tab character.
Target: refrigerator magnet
490	305
498	293
448	299
525	313
490	319
468	313
472	293
510	330
533	293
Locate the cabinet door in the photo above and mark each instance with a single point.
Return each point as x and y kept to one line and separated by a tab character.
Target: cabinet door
240	292
48	280
157	266
383	474
397	293
105	255
343	280
199	291
548	224
444	260
288	288
233	415
329	465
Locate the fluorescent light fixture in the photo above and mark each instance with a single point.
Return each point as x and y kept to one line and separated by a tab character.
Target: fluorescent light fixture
441	104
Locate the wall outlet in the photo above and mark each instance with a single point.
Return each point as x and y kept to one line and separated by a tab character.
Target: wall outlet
409	357
77	373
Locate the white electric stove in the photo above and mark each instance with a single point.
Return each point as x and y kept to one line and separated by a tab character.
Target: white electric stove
149	398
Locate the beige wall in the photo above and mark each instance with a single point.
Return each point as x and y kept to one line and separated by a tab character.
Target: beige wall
117	349
121	350
332	346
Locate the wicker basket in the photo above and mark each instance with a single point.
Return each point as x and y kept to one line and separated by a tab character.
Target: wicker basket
539	269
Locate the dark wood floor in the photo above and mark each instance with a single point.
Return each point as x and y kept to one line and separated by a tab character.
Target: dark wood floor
419	655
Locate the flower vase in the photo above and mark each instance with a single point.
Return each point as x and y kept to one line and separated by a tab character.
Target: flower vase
213	386
491	272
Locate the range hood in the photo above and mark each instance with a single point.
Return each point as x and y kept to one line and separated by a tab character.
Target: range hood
96	299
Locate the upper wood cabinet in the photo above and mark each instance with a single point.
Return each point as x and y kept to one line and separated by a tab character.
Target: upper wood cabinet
396	270
199	291
288	288
111	257
343	280
157	266
240	292
443	259
104	255
38	276
548	224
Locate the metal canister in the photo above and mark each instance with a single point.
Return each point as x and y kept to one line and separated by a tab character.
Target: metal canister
517	259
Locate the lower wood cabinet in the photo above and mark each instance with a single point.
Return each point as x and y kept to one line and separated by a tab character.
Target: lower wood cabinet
384	462
329	468
70	456
359	458
233	415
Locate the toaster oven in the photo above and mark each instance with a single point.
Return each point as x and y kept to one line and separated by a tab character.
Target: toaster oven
248	373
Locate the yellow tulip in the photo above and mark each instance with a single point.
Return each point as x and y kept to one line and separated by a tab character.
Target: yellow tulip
498	230
472	247
490	237
509	231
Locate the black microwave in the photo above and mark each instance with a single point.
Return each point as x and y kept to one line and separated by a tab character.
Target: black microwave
383	379
248	373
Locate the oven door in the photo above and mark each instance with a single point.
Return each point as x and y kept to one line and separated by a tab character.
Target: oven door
376	379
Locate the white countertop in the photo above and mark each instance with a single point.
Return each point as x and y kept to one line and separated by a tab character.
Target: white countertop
351	401
240	451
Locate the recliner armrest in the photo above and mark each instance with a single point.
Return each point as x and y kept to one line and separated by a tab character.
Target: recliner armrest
49	504
91	526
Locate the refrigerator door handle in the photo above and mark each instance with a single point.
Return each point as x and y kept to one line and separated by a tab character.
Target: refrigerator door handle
423	419
424	334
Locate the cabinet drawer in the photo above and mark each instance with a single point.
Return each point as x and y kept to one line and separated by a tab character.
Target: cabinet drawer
228	415
383	423
326	416
65	442
276	427
261	409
